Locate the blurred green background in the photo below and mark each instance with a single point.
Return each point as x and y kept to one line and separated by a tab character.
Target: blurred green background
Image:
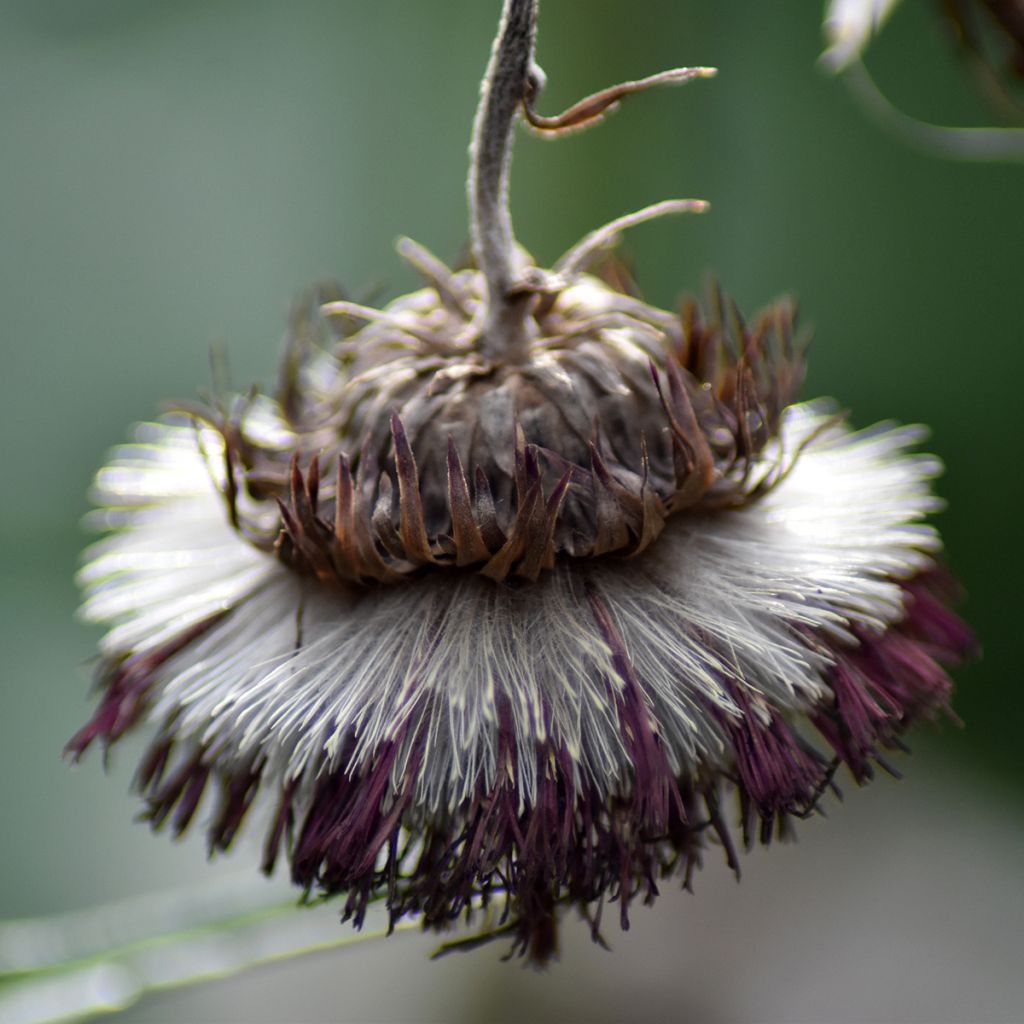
171	174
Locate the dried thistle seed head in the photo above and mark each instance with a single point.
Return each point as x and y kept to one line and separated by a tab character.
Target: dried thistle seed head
395	594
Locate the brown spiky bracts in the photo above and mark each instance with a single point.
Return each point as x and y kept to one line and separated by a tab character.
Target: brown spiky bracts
399	448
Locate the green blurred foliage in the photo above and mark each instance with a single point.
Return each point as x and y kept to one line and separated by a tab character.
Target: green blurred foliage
172	174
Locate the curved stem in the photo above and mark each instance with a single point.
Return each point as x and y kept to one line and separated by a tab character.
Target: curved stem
98	961
953	143
505	85
104	959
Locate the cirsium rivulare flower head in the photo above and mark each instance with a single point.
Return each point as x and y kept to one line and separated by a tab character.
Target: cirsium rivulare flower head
519	589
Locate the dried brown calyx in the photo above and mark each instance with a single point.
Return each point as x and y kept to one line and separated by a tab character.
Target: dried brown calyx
505	416
400	447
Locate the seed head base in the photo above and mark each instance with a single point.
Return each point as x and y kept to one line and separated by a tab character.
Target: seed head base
399	449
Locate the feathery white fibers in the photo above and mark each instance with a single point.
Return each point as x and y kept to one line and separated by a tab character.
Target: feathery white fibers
294	668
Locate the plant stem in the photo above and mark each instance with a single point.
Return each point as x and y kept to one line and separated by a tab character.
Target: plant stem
504	87
106	958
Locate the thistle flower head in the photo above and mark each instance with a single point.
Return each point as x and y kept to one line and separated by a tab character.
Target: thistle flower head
516	581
